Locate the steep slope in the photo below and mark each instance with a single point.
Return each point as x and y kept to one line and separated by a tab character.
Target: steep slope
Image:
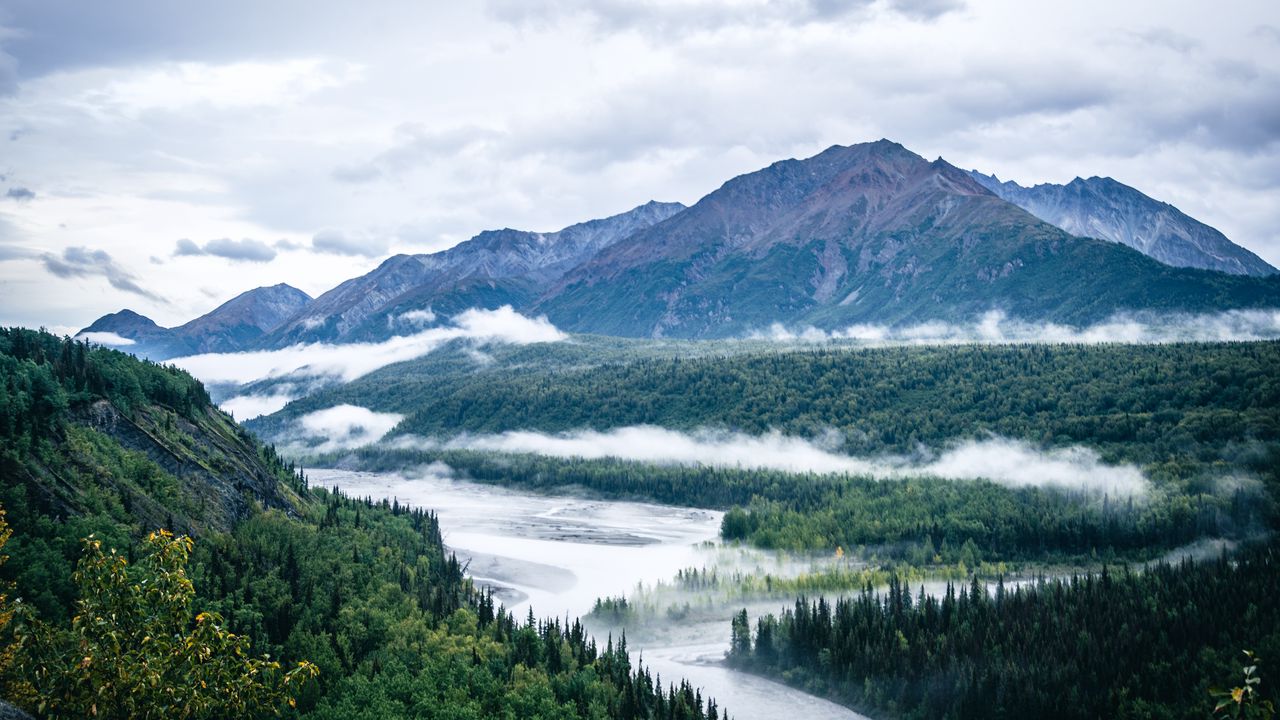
96	431
870	232
230	327
1104	208
237	323
496	267
96	444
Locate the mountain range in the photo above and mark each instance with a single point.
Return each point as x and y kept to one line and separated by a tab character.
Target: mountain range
856	234
1104	208
496	267
234	325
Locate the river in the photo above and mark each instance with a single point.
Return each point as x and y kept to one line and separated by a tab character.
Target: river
557	554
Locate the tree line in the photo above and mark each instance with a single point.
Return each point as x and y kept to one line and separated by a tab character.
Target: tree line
1122	643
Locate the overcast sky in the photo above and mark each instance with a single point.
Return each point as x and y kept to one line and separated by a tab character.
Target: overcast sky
165	156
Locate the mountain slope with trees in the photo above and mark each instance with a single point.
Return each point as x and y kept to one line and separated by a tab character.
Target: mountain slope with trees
365	591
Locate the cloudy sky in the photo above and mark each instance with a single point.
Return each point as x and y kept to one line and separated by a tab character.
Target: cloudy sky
165	156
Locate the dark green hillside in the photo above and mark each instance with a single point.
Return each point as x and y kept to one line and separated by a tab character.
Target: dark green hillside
1121	644
1143	403
1189	415
920	520
95	441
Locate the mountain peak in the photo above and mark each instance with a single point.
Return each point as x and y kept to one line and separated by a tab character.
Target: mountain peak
230	327
1105	208
125	323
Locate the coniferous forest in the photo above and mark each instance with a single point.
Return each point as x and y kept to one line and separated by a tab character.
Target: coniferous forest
1147	643
99	444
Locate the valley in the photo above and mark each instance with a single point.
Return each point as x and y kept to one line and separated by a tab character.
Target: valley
656	360
748	436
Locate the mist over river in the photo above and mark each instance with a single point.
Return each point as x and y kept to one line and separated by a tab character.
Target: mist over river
558	554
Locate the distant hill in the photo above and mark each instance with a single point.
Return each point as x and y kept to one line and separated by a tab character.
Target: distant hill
866	233
494	268
235	325
1103	208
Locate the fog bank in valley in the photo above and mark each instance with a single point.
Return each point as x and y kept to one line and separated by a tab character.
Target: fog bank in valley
109	339
343	427
1001	460
316	364
997	327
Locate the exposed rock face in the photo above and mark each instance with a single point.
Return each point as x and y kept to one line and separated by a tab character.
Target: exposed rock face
217	466
1103	208
237	323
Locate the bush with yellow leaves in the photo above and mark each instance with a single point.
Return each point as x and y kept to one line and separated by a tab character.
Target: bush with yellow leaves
134	650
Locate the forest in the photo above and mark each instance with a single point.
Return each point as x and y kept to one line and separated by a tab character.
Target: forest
1121	643
363	591
1203	402
94	443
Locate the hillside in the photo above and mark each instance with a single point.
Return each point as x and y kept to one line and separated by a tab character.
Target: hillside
495	268
868	233
93	441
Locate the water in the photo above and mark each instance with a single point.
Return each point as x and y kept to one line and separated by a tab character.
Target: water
557	554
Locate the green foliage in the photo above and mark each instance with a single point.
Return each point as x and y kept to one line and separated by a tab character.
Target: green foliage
9	646
1128	644
1245	700
1188	413
1145	403
133	649
364	590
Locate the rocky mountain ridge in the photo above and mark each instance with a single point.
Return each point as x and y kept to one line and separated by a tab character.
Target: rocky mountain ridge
1104	208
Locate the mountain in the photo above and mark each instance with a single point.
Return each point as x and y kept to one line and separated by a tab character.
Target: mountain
234	325
237	323
1106	209
494	268
866	233
127	324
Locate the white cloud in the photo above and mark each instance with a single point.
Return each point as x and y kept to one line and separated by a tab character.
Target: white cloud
996	327
345	426
105	338
418	317
247	407
348	362
340	242
246	250
1000	460
175	86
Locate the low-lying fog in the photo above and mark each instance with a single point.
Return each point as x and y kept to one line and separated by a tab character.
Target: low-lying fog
1001	460
315	365
996	327
559	554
